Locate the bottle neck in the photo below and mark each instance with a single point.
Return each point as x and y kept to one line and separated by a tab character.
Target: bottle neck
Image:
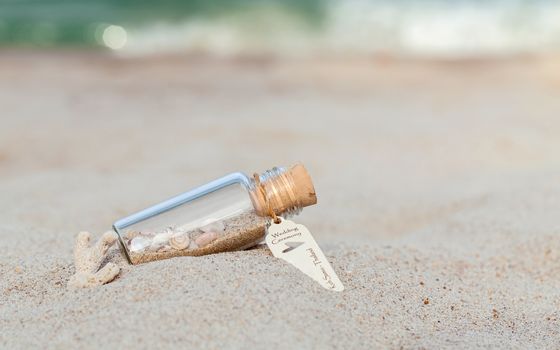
276	190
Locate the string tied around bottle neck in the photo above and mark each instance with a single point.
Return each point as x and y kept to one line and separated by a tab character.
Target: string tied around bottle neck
260	186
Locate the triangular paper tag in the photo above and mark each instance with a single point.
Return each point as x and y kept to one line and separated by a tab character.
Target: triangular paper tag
293	243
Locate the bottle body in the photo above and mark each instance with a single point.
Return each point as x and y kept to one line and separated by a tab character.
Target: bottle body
230	213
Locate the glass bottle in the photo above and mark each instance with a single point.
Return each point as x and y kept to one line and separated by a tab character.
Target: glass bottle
230	213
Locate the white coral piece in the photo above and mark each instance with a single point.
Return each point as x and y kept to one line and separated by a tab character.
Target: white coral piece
88	260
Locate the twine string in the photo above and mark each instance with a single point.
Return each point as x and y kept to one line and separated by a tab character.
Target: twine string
260	186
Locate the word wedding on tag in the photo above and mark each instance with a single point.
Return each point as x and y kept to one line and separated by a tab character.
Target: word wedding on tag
293	242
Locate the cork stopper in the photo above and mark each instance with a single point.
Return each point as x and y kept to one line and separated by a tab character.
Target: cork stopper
284	191
303	186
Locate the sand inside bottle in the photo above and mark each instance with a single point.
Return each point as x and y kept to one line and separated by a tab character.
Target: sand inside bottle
229	234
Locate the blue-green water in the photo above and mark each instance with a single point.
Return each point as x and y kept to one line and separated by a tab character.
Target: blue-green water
457	27
73	22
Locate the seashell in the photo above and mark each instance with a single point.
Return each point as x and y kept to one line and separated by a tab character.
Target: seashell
206	238
216	226
179	242
139	243
160	239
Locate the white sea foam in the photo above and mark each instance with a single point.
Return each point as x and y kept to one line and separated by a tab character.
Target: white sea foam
366	27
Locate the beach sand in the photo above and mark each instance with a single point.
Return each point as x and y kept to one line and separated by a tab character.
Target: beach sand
438	188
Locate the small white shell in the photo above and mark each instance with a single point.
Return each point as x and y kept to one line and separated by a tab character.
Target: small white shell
206	238
216	226
160	239
179	242
139	243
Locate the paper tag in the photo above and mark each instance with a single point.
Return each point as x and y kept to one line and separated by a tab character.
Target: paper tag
293	242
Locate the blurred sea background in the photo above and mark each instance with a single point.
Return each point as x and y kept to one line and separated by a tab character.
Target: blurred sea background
440	28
